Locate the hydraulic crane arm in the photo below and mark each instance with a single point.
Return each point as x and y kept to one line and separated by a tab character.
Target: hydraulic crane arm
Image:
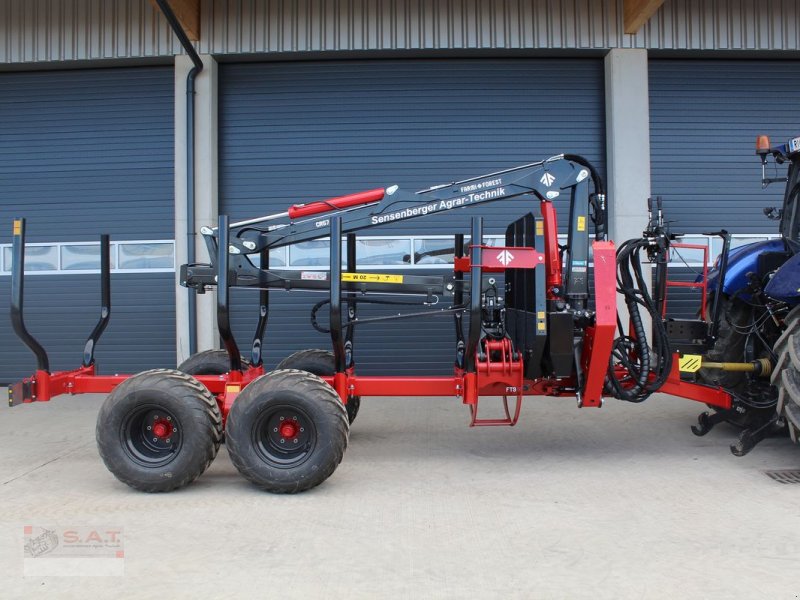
547	180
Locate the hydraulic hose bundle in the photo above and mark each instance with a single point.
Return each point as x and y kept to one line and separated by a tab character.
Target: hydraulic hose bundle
635	370
597	200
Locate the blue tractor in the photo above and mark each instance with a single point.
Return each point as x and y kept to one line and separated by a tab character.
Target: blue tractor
754	306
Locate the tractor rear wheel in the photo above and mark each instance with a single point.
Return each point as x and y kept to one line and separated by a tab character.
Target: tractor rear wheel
321	363
786	376
209	362
159	430
735	318
287	431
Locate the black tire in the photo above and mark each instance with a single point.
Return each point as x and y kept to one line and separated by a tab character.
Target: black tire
786	376
321	363
730	347
287	462
208	362
187	439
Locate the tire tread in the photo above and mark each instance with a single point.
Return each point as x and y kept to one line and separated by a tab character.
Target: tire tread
786	376
325	397
319	362
197	399
208	362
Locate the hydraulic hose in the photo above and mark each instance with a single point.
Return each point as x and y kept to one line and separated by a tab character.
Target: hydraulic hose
643	370
598	198
596	179
315	309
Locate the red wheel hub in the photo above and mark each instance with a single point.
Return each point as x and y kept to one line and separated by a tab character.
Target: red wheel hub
162	428
289	429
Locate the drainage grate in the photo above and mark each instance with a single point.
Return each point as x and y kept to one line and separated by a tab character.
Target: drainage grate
784	476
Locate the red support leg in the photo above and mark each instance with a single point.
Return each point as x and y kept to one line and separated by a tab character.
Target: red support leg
600	338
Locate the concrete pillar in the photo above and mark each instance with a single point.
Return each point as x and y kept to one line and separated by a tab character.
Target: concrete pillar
627	142
206	195
627	149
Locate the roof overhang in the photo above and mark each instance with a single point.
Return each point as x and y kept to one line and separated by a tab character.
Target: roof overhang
187	13
637	12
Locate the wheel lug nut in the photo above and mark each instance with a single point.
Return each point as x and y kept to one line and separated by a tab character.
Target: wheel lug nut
282	418
295	440
275	430
283	440
302	430
168	440
169	418
155	439
149	428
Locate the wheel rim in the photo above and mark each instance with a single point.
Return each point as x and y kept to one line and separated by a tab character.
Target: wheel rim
151	436
284	436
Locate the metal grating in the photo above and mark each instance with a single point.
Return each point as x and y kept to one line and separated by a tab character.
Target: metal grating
784	476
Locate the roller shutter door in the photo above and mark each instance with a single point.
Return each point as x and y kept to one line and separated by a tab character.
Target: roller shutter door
83	153
704	118
301	131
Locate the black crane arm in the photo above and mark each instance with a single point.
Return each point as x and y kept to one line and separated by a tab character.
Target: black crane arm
547	180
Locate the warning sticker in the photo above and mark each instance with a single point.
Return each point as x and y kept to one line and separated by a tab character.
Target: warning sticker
372	277
690	363
17	227
581	223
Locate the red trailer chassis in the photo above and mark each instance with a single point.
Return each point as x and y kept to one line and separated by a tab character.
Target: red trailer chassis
44	386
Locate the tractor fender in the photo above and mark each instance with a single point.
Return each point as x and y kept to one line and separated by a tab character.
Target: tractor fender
785	284
741	261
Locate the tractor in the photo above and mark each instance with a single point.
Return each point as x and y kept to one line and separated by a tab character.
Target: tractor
533	317
756	291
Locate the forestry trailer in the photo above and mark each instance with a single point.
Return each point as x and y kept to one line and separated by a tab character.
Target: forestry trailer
532	318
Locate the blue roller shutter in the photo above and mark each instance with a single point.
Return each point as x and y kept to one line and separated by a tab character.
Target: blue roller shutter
704	118
85	152
300	131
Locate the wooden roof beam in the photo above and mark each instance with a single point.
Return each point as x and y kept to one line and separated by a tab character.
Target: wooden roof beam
188	14
637	12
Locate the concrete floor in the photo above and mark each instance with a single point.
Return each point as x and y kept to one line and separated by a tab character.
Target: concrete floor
612	503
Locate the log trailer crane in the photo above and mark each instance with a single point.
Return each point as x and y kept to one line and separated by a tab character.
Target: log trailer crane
543	331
